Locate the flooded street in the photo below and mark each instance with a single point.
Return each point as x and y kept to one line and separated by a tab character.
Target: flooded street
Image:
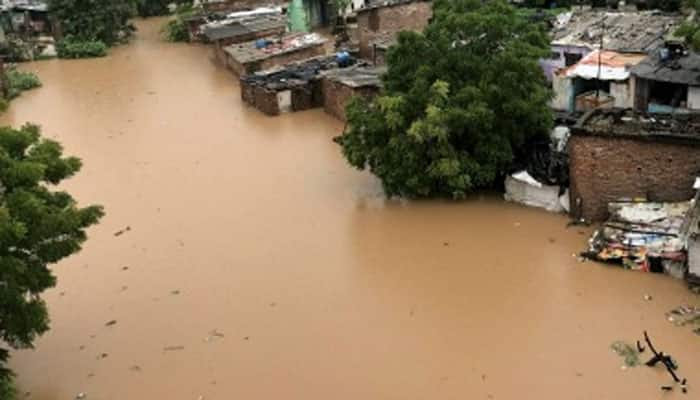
259	265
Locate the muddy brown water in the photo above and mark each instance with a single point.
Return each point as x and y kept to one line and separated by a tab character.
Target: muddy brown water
261	266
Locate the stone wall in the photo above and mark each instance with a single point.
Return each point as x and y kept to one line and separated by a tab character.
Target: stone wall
383	22
336	96
605	168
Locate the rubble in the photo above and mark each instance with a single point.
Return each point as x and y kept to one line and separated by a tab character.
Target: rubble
644	236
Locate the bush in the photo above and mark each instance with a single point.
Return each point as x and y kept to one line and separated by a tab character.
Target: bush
151	8
20	81
175	30
7	387
71	47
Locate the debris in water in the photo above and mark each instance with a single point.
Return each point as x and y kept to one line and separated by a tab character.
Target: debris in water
174	292
173	348
112	322
665	359
684	315
124	288
273	304
666	388
122	231
80	396
135	368
445	244
647	297
246	338
640	347
125	268
696	331
213	335
103	355
630	354
62	294
552	240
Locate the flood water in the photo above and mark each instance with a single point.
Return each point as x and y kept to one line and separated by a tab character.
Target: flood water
259	265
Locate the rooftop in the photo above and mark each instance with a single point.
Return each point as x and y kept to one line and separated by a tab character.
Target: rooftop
247	52
292	74
614	66
631	32
372	4
357	76
29	5
684	69
217	30
629	123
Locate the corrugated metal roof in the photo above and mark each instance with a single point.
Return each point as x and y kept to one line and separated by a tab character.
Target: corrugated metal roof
243	26
684	70
614	66
631	32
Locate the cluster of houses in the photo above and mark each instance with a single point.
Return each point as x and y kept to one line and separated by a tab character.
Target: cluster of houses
287	59
627	151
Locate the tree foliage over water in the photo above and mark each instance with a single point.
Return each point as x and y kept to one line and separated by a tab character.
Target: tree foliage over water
95	20
459	100
38	227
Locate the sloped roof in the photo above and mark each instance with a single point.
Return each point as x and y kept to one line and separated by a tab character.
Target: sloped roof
630	32
614	66
684	70
243	26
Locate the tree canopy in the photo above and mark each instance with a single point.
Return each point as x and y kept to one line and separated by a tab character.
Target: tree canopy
38	227
459	100
94	20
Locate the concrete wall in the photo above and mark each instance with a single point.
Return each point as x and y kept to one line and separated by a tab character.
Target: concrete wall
694	258
604	169
563	93
552	65
694	97
623	92
390	20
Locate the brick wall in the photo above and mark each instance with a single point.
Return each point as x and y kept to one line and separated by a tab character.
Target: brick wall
336	96
387	21
266	101
605	169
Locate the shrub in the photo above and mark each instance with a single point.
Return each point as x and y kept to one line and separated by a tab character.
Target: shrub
20	81
175	30
71	47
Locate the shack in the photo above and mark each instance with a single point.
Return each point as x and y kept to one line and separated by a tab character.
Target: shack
600	79
386	18
340	85
29	17
239	28
580	32
668	81
292	87
617	154
249	57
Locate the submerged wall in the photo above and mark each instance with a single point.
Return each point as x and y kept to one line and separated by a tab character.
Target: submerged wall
604	168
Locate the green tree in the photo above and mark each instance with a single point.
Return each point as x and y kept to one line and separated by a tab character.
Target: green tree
459	101
38	227
94	20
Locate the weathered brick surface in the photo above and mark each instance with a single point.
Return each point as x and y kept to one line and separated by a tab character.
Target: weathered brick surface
336	96
266	101
247	92
384	22
247	68
220	44
604	169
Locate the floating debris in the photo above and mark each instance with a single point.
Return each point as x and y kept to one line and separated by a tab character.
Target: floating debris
173	348
684	315
111	323
122	231
647	297
630	354
213	335
135	368
174	292
80	396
